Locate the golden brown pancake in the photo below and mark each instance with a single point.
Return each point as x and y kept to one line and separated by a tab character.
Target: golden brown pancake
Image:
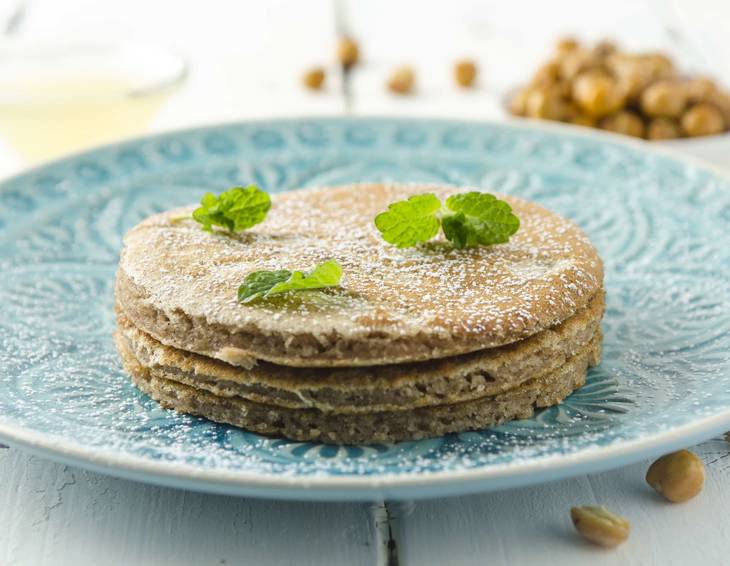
178	284
365	389
363	428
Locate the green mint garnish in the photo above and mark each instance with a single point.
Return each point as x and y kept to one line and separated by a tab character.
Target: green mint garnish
236	209
408	222
468	220
262	284
478	219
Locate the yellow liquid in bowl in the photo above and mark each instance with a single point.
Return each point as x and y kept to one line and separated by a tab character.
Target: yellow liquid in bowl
43	120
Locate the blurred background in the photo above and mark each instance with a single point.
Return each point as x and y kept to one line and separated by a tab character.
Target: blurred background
76	73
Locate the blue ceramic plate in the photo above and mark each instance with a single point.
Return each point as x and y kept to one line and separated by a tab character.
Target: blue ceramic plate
661	225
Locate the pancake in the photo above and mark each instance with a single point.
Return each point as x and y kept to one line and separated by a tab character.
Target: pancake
178	284
363	428
374	388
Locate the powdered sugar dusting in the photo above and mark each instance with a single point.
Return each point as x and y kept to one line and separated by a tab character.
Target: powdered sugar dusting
493	294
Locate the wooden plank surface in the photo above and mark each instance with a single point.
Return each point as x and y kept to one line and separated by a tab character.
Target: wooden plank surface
530	525
57	515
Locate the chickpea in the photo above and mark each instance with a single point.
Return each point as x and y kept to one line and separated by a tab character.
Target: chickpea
624	122
604	48
546	74
678	476
575	62
348	52
465	72
700	89
664	98
545	103
597	93
659	65
583	120
600	526
721	100
518	102
663	129
702	120
574	115
314	78
402	81
565	44
636	72
632	84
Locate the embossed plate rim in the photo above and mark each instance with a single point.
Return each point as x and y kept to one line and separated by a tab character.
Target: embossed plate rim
366	488
398	486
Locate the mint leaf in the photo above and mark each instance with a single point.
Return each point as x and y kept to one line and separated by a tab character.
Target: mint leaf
236	209
478	219
411	221
262	284
258	283
469	219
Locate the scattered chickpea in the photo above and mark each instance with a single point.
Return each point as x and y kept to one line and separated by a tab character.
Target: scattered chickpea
348	51
600	526
702	120
663	129
565	44
465	71
664	98
314	78
402	81
678	476
624	122
597	93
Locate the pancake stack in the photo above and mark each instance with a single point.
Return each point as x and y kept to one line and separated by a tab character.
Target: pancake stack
414	342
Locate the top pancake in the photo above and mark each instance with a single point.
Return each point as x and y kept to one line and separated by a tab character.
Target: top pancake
179	283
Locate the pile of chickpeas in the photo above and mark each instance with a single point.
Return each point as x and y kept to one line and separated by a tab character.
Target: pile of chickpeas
637	94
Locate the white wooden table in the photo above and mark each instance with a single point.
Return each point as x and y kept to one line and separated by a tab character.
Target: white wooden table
246	63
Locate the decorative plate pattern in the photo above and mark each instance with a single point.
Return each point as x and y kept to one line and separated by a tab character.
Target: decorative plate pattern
660	224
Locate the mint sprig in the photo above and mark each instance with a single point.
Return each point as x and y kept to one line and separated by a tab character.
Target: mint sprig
408	222
236	209
467	220
262	284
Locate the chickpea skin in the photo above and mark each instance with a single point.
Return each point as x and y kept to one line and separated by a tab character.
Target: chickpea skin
700	89
663	129
624	122
664	98
678	476
702	120
313	79
546	74
348	52
545	103
565	44
600	526
597	94
518	102
402	81
465	73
